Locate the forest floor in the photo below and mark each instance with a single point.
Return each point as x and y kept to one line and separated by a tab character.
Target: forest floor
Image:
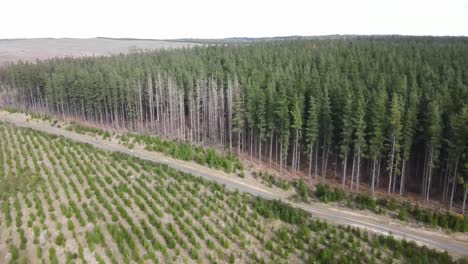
454	243
333	179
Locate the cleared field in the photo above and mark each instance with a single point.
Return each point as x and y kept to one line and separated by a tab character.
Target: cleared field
12	50
66	202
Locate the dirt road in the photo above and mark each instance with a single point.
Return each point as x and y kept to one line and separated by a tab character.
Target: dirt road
456	245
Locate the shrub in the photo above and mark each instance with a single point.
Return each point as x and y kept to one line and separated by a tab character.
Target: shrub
325	194
70	225
303	190
52	256
193	253
60	240
232	258
403	214
278	209
392	204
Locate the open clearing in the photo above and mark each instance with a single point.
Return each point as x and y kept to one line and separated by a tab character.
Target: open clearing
31	49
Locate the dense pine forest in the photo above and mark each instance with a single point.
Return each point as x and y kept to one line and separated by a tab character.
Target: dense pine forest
390	113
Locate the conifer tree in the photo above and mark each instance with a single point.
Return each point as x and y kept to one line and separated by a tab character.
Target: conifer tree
376	128
296	126
261	121
326	127
312	130
346	133
433	144
238	122
282	117
359	133
394	138
409	126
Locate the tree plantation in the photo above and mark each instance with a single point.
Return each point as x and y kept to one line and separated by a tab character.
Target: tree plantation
388	113
67	202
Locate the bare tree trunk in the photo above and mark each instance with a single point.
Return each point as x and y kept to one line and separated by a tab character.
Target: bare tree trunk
336	163
310	159
260	151
429	175
229	106
140	98
403	173
345	163
391	166
281	157
373	176
239	143
316	160
325	166
423	191
352	172
251	144
444	193
358	170
378	174
276	151
454	182
294	157
150	101
271	146
298	158
465	193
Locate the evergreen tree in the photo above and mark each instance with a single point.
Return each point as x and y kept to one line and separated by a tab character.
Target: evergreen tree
282	117
394	138
346	133
409	126
238	119
312	130
296	126
433	144
376	128
326	127
359	140
261	121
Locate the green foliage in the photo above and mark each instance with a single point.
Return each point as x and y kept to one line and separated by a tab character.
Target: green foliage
185	151
52	256
403	214
82	129
325	194
392	204
272	180
60	240
278	209
232	258
194	253
302	190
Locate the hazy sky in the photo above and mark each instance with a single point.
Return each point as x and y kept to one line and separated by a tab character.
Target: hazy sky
218	18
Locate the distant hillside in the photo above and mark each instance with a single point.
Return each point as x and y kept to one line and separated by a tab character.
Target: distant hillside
241	40
12	50
247	40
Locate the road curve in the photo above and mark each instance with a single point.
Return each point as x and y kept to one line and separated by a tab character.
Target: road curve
437	240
